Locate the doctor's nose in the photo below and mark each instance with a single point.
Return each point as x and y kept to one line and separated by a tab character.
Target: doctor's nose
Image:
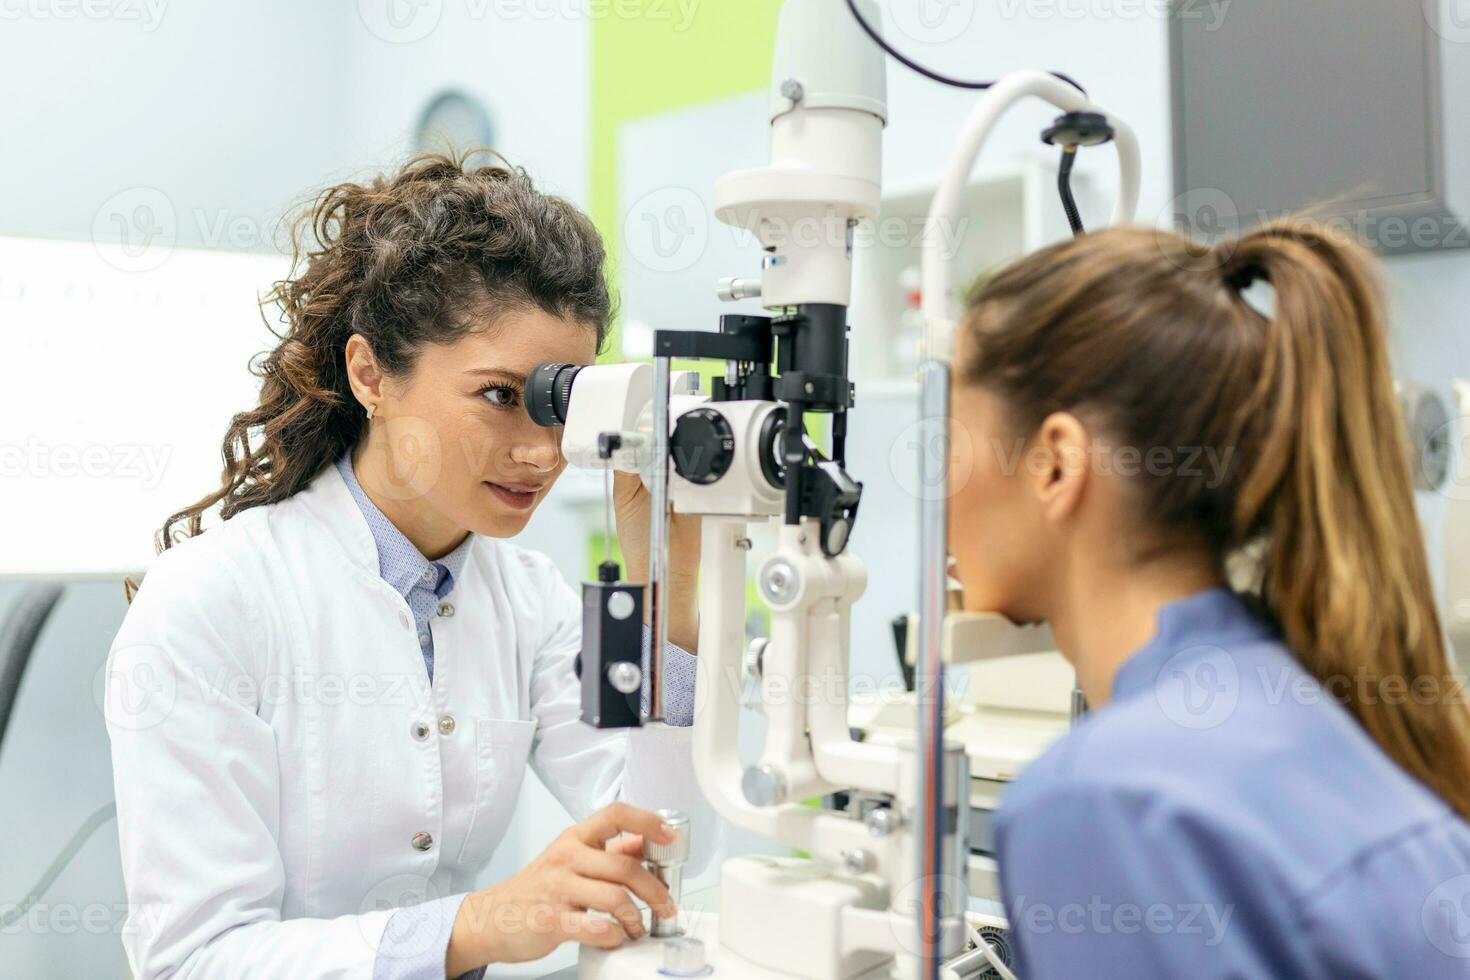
539	448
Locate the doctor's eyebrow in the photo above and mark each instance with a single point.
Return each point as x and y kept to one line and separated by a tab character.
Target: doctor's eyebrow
498	373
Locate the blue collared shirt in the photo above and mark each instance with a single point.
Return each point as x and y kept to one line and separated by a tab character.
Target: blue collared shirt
403	952
1223	816
423	584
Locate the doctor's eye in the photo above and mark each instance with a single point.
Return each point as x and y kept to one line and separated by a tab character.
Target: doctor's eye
501	395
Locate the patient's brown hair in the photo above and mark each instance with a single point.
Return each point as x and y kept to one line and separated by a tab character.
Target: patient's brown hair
1149	334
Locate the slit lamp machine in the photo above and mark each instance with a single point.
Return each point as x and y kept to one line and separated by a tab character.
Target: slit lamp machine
882	893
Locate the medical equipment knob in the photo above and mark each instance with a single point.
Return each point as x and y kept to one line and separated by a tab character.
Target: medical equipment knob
684	957
763	786
677	850
666	861
729	289
625	677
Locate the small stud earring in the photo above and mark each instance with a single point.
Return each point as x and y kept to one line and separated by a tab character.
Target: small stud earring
371	409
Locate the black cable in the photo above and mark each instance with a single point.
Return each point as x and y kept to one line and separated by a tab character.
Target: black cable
1064	184
929	73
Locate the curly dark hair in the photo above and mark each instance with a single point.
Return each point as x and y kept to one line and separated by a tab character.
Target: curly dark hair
405	260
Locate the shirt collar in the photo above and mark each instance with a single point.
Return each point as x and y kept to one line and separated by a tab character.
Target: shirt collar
400	563
1198	624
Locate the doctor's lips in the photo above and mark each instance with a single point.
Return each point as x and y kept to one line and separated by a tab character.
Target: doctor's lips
520	496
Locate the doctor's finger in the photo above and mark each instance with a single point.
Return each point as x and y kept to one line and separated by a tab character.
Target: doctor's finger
590	894
628	871
626	844
620	818
594	930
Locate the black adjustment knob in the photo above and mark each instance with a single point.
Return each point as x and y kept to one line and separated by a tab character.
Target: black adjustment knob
703	445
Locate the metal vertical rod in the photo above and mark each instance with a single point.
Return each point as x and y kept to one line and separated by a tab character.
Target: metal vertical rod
658	538
933	594
1079	703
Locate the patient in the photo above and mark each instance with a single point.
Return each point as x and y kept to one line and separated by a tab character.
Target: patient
1212	507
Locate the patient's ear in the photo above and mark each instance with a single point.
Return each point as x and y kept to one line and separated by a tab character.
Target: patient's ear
1061	467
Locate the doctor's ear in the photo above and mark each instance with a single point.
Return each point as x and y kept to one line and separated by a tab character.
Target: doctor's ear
363	372
1060	464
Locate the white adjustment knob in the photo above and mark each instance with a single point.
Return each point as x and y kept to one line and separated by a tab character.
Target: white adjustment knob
684	957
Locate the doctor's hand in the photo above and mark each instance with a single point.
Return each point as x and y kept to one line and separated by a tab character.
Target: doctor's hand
553	900
631	500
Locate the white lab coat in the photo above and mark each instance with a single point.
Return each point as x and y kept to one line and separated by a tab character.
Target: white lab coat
278	750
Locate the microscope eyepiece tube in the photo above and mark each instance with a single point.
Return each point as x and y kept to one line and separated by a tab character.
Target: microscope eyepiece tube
549	392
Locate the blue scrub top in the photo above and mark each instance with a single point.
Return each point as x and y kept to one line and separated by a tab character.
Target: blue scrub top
1223	816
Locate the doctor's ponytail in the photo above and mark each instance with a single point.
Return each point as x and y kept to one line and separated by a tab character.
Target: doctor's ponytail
1153	337
405	260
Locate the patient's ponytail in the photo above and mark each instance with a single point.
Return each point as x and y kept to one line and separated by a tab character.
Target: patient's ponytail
1154	338
1344	569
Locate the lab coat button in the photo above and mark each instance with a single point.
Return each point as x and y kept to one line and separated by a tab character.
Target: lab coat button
403	618
446	609
420	730
422	841
446	725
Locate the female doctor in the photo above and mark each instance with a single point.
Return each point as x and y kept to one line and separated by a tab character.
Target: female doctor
1272	782
321	710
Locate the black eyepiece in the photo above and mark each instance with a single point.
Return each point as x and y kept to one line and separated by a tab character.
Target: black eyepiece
549	392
